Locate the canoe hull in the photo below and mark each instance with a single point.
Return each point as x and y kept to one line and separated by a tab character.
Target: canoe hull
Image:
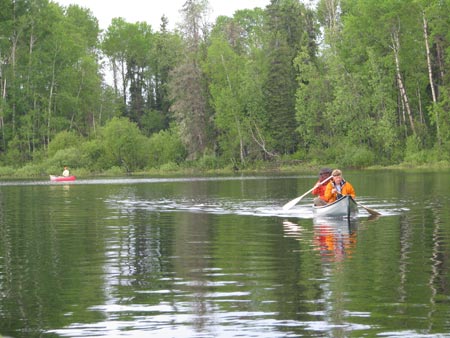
54	178
343	207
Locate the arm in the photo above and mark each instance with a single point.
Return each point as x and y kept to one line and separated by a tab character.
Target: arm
317	189
349	190
329	195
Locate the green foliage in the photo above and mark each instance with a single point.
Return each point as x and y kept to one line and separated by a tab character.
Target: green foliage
237	70
54	75
356	157
62	141
208	162
225	68
17	153
253	88
6	171
128	47
114	171
415	153
94	155
165	147
152	122
342	153
291	31
125	145
32	170
313	92
169	166
188	85
71	157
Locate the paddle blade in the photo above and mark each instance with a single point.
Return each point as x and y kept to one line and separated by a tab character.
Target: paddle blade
290	204
370	211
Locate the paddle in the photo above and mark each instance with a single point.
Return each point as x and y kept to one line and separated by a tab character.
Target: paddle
370	211
293	202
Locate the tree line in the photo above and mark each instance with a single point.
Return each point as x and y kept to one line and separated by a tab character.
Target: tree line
350	82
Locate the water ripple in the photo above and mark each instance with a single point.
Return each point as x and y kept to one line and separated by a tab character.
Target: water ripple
265	208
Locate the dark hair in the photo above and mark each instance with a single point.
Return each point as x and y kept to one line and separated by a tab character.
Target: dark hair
325	171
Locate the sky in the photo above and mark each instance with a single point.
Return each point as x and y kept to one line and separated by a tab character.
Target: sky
151	11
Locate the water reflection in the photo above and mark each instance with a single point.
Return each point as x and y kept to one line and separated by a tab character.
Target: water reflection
331	243
335	239
215	258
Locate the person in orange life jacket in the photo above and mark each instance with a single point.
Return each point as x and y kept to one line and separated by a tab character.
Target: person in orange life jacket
319	188
338	187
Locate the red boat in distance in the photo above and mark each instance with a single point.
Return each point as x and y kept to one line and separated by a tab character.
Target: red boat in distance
54	178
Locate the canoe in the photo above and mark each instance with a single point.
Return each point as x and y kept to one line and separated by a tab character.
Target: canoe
343	207
62	178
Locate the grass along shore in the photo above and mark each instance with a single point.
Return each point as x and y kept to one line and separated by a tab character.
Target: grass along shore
33	171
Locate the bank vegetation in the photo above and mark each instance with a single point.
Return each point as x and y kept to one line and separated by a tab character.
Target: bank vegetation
351	83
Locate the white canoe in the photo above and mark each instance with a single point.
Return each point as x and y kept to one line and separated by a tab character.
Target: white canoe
343	207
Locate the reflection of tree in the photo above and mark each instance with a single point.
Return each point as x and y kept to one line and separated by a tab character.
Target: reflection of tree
405	253
435	263
46	266
192	261
438	280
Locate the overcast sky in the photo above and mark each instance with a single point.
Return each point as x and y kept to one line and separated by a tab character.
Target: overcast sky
151	11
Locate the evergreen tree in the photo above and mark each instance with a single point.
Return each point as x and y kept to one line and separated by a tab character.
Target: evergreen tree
290	29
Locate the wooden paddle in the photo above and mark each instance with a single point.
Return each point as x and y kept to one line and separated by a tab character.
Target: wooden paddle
293	202
370	211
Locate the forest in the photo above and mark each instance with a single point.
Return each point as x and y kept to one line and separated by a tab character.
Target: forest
356	83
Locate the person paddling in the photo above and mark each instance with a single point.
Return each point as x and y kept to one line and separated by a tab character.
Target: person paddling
338	187
320	187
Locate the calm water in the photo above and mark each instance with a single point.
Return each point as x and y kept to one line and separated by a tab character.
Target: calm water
218	257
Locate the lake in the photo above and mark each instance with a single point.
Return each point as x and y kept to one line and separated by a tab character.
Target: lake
218	257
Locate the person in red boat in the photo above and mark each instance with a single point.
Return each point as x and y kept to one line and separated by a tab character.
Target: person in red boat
66	172
321	185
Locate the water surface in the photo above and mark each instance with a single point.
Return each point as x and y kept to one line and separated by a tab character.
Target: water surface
218	257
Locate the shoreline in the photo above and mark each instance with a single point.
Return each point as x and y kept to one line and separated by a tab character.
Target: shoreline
306	168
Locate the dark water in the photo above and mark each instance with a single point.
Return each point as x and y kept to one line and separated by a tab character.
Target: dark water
218	257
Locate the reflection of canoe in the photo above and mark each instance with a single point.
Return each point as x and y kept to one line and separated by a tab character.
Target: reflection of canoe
62	178
335	238
343	207
339	224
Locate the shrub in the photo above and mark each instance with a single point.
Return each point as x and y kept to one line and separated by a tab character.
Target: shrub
62	141
124	145
414	154
169	166
165	147
356	157
93	153
7	171
71	157
114	171
208	162
31	170
152	122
